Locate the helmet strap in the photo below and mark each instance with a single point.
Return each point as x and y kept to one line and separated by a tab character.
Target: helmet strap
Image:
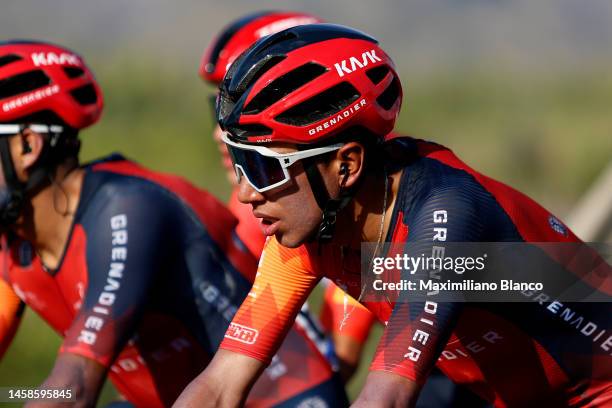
329	206
16	189
39	177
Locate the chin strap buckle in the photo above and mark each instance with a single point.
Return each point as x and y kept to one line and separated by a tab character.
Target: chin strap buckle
328	223
330	212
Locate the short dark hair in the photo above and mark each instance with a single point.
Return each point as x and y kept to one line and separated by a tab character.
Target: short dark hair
372	143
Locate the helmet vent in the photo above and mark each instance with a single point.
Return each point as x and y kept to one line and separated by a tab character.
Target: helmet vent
390	95
320	106
283	86
85	95
243	132
224	105
28	81
9	58
283	36
377	74
257	71
73	72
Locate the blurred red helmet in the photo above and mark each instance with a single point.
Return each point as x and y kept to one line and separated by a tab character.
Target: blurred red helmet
40	78
309	84
241	34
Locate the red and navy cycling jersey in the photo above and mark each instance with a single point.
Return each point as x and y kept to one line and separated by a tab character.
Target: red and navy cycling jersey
518	354
150	278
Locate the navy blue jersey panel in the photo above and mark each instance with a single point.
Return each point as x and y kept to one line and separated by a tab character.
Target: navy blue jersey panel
172	266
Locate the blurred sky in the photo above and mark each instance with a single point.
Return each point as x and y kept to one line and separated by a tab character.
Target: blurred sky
422	35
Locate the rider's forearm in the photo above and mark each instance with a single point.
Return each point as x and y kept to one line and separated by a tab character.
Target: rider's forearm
226	382
387	390
84	377
207	391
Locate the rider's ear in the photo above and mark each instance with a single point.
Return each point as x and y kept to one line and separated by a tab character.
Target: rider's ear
26	149
350	159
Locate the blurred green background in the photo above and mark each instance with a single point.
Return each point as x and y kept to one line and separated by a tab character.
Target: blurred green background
543	127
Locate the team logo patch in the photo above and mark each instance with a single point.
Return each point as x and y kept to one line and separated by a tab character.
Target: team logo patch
557	225
27	99
241	333
339	117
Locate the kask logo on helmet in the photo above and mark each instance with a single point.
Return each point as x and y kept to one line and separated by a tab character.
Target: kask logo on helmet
50	58
355	63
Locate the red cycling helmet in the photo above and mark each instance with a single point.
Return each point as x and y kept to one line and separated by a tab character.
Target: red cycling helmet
308	84
241	34
317	84
37	77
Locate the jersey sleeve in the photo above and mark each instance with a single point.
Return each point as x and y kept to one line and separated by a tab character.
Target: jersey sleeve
418	329
129	240
283	281
11	309
336	304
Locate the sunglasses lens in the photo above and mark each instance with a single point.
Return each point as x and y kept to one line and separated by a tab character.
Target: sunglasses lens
261	171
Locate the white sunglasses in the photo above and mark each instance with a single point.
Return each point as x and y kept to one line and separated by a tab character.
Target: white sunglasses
263	168
15	129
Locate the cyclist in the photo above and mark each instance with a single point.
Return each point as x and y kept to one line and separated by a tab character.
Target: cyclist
305	112
349	334
140	272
